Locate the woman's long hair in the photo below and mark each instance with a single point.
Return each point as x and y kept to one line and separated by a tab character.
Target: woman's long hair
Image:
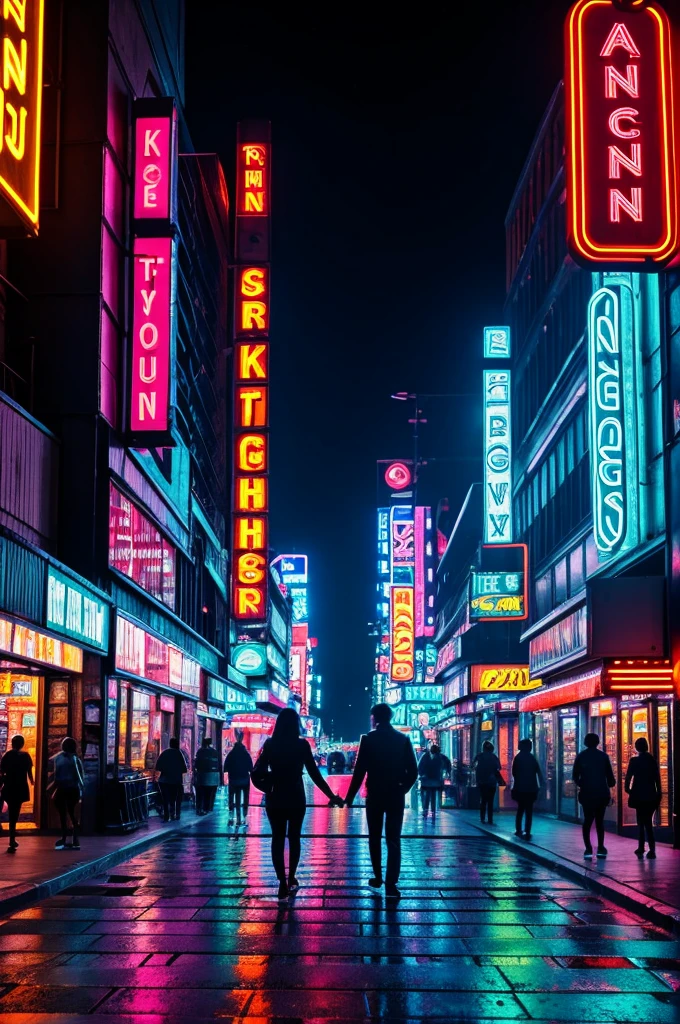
287	728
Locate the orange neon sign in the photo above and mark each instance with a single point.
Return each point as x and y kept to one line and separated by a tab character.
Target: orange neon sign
252	305
402	615
252	360
251	453
21	42
253	179
621	173
252	406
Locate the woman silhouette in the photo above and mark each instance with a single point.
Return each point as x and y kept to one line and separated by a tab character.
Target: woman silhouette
281	761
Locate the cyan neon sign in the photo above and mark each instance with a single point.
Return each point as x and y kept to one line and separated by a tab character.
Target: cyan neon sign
497	458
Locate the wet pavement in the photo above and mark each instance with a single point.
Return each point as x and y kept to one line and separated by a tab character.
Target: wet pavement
190	930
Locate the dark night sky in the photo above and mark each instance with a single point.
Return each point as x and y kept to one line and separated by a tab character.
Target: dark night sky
397	146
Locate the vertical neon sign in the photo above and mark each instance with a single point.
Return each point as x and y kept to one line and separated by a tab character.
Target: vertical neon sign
402	594
497	458
155	160
151	333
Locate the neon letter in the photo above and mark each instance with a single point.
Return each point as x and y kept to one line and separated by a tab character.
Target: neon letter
613	79
624	114
252	453
250	534
253	315
619	36
252	281
252	494
150	142
17	9
253	407
152	331
632	206
14	65
254	154
148	402
632	163
16	139
150	376
249	601
251	567
251	363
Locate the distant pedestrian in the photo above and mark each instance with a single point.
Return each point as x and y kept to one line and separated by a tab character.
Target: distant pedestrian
431	774
238	764
207	776
171	767
16	771
592	773
387	761
526	782
643	784
278	774
487	768
69	785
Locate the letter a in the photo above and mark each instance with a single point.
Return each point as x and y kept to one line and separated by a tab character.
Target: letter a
619	36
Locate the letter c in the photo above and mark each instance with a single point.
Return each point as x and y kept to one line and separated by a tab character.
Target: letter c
624	114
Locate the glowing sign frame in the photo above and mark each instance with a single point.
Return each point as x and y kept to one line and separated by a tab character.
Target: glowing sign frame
398	476
402	634
502	679
591	34
497	458
152	335
21	107
487	606
497	342
256	652
154	173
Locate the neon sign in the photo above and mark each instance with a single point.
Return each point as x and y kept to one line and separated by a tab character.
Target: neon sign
33	645
402	630
621	194
75	611
496	342
252	182
252	305
251	659
397	476
151	334
401	544
497	458
20	112
501	679
154	160
499	589
607	310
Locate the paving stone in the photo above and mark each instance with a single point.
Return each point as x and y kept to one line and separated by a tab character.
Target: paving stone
44	999
603	1008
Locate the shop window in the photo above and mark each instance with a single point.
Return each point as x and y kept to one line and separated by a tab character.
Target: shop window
139	551
592	558
145	731
543	595
19	715
576	577
560	581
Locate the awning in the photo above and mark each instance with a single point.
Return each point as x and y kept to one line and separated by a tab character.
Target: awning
581	687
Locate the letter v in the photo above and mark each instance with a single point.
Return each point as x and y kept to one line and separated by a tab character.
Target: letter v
147	300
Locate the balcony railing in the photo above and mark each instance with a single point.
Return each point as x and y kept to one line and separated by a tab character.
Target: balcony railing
29	467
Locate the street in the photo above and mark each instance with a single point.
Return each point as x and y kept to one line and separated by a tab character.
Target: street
191	929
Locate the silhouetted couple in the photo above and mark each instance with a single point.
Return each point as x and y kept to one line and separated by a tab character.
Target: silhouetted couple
385	759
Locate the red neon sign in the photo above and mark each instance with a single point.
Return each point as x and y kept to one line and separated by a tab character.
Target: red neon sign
151	324
154	162
252	183
639	676
398	476
252	306
402	634
622	204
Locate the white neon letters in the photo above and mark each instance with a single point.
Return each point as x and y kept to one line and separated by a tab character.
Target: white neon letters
497	458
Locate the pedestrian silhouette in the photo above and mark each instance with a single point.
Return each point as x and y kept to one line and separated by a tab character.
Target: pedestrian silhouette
643	784
16	771
238	765
526	782
487	768
207	768
69	785
387	761
278	773
431	774
171	766
592	773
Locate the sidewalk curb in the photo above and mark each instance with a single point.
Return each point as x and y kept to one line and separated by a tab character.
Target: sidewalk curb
622	895
25	893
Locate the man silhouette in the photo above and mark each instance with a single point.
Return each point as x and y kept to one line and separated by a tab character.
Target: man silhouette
387	759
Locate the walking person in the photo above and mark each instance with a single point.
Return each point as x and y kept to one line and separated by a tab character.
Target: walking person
592	773
526	782
431	774
16	771
387	761
69	784
278	774
171	767
207	769
643	785
487	768
238	765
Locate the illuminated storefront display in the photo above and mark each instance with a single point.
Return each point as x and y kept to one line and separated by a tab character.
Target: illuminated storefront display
139	551
155	160
142	654
20	114
153	297
501	679
38	647
560	643
497	458
496	342
250	659
75	611
621	195
612	404
402	634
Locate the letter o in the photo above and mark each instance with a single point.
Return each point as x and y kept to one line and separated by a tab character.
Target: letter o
148	329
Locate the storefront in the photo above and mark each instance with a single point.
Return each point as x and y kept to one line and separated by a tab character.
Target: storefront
257	726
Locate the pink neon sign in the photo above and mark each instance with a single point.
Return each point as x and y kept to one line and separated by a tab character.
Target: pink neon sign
153	167
420	569
151	311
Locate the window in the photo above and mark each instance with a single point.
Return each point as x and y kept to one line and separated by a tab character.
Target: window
543	595
561	581
139	551
576	578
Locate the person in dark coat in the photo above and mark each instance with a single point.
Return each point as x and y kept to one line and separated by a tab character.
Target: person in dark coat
207	778
431	774
526	782
238	765
282	760
387	761
486	766
16	771
69	784
592	773
172	766
643	785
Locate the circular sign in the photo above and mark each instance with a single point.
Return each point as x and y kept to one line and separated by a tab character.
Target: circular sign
251	659
398	476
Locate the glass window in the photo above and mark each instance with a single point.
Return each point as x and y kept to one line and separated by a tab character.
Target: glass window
138	550
579	429
543	595
576	578
561	581
569	443
552	468
544	485
145	731
592	558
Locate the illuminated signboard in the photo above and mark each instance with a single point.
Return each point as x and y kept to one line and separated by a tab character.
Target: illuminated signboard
639	676
501	679
496	342
252	302
20	114
433	694
250	659
621	195
612	440
291	568
155	161
398	476
447	654
252	179
402	633
31	644
153	296
401	544
455	688
498	595
74	610
497	458
394	695
142	654
565	640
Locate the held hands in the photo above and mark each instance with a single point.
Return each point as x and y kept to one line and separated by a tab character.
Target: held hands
336	801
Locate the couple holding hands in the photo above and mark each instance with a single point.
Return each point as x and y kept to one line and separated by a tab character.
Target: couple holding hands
386	759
